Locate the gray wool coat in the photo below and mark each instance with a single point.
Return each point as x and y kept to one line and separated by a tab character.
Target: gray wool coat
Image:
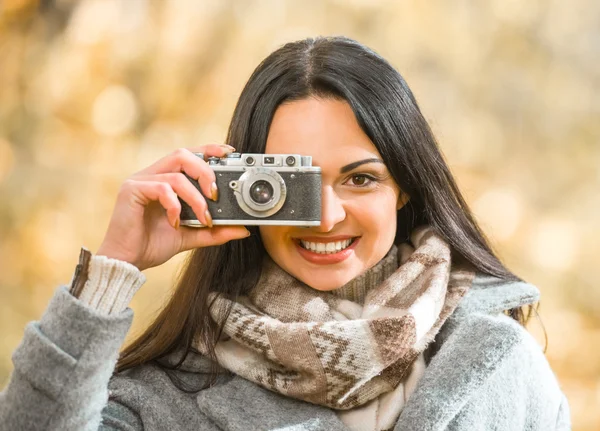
485	373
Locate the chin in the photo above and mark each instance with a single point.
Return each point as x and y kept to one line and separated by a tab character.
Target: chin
323	287
325	279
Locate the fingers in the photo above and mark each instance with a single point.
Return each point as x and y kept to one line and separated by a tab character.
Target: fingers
186	191
169	171
194	238
144	192
183	160
212	150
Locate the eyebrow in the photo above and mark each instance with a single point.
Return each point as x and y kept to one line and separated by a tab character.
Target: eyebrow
353	165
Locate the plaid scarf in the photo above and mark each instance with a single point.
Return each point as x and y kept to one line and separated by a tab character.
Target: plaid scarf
344	348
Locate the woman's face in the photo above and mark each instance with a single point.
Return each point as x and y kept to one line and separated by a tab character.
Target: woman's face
359	196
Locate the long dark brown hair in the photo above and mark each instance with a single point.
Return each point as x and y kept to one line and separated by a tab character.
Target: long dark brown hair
339	68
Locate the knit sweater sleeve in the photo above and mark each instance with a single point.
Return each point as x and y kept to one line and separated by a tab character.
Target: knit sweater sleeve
65	360
111	285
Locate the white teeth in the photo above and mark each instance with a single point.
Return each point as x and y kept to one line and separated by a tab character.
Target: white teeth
326	248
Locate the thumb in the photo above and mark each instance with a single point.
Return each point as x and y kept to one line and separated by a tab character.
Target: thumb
206	237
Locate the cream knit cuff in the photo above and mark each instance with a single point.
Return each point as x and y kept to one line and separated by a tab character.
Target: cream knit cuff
111	284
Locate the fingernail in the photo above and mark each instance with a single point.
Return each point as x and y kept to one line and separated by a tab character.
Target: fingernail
214	192
209	221
248	233
228	148
176	224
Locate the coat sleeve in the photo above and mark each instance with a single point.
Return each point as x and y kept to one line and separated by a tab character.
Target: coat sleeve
62	368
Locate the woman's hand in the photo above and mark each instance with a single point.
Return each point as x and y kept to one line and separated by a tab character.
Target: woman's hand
144	227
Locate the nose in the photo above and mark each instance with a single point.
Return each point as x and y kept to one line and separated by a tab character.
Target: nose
332	209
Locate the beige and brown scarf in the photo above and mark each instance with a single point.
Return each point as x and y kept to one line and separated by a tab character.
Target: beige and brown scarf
352	349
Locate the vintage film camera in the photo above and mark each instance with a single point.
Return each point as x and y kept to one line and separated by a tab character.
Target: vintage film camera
262	189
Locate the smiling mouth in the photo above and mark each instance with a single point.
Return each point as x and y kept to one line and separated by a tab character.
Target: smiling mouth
326	247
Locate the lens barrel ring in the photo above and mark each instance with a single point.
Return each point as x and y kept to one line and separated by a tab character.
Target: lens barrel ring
243	192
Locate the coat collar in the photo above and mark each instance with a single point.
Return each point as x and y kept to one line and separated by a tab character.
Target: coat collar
471	345
491	295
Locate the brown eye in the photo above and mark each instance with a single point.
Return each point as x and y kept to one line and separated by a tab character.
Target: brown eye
359	180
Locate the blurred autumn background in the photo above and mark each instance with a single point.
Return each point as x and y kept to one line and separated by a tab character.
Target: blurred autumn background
92	91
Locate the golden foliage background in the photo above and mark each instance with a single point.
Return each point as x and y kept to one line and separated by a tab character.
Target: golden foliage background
92	91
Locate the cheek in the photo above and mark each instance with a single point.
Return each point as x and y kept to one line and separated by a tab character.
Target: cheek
272	237
376	214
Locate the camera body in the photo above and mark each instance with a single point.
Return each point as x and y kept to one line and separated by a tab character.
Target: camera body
261	189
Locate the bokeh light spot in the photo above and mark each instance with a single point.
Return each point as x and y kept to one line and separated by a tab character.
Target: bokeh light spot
553	244
501	210
115	111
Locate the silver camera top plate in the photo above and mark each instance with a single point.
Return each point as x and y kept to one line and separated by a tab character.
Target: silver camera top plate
281	162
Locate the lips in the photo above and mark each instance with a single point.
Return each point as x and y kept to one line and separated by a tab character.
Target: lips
326	247
326	251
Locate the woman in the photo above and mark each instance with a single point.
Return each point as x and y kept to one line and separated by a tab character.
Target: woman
394	313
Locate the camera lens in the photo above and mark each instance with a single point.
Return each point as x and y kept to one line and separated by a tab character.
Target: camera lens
261	192
249	160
